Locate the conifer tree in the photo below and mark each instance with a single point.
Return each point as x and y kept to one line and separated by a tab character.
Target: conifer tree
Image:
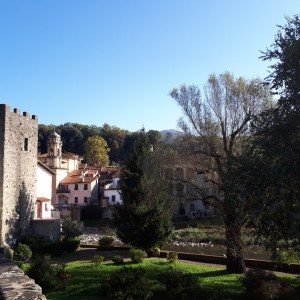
144	218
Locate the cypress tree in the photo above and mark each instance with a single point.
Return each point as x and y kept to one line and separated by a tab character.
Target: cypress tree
144	218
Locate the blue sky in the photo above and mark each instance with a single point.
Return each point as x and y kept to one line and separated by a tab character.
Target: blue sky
115	61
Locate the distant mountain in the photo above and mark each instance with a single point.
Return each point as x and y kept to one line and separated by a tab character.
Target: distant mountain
169	134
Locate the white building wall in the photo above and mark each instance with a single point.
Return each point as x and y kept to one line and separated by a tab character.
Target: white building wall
113	192
44	183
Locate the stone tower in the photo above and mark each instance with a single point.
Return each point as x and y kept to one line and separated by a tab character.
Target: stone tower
54	150
18	171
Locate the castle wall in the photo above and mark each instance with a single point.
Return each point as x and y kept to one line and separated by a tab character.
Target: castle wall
18	163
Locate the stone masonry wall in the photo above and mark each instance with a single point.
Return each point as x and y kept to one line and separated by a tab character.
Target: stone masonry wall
18	161
14	284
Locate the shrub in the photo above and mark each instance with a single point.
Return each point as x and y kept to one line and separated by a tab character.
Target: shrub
62	276
71	228
97	260
172	257
36	244
43	273
117	259
53	248
137	255
127	283
178	283
155	251
22	253
105	243
263	285
9	253
71	244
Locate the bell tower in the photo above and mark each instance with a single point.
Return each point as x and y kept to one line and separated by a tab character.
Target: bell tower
54	150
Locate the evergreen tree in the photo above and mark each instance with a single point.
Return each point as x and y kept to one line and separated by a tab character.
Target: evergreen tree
144	218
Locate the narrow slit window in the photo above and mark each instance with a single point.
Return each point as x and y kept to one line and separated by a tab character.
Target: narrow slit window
26	144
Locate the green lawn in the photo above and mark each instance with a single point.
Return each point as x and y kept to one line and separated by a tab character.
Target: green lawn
86	280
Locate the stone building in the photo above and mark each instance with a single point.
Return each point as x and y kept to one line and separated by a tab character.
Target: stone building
18	175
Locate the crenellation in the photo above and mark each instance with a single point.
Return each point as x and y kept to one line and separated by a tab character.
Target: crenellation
18	157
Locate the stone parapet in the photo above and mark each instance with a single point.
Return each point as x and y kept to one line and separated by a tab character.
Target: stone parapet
14	284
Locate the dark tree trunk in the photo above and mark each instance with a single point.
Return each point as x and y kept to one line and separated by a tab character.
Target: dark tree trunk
235	258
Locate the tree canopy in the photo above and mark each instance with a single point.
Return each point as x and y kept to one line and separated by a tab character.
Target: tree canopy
144	218
96	151
275	145
216	127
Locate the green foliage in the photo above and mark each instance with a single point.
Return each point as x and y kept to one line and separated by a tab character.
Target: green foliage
62	277
97	260
9	253
144	219
71	244
53	248
264	285
42	273
137	255
172	257
71	228
127	283
155	251
36	243
22	253
117	259
285	51
179	284
105	243
96	151
286	256
216	283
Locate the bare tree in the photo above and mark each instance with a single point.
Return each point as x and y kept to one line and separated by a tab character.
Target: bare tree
215	128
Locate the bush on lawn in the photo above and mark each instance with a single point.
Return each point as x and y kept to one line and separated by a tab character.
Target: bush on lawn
127	283
105	243
155	251
71	244
117	259
22	253
179	284
137	255
172	257
42	273
97	260
53	248
62	277
264	285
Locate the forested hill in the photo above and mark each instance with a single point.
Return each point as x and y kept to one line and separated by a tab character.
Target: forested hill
75	135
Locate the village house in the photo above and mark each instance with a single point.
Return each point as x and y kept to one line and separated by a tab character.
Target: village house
111	196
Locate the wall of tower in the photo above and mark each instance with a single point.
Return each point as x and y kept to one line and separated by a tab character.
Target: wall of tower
18	170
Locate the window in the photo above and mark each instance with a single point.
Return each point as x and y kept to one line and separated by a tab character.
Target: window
113	198
192	207
85	187
76	187
76	200
85	199
26	144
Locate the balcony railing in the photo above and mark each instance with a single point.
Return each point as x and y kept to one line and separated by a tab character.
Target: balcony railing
61	191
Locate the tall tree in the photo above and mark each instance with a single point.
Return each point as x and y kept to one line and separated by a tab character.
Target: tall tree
71	138
115	138
144	218
276	143
285	51
216	127
96	151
